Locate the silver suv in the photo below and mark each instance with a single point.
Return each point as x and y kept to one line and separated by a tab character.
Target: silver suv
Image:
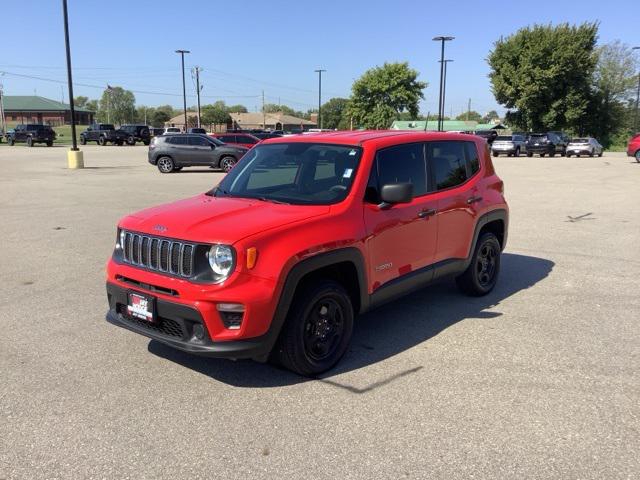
510	145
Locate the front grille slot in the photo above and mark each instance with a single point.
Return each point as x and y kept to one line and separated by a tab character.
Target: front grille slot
159	254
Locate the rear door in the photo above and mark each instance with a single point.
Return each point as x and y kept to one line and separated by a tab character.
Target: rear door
179	149
454	169
400	239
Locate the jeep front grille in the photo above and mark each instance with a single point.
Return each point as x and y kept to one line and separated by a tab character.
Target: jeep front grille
159	254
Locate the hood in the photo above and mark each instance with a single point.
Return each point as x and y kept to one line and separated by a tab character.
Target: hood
208	219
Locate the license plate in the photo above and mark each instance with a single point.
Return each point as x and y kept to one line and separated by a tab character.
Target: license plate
141	307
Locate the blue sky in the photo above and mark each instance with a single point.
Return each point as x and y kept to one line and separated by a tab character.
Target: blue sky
250	46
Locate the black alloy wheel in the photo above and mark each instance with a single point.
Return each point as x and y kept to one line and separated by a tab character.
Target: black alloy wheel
482	273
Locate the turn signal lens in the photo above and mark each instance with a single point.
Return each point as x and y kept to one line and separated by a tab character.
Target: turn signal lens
252	257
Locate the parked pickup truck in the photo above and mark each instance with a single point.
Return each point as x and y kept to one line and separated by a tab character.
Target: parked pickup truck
103	133
302	235
31	134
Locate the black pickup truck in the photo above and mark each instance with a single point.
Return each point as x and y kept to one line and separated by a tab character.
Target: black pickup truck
103	133
31	134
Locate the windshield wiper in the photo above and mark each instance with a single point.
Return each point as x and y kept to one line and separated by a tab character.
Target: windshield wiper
272	200
215	191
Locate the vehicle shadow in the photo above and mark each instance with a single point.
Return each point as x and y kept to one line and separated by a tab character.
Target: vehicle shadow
384	332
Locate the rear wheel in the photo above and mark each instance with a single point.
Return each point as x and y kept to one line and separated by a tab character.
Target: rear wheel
637	155
517	154
102	141
227	163
83	140
166	165
49	144
29	142
495	154
552	154
542	154
11	141
529	154
318	329
482	273
591	153
131	140
568	155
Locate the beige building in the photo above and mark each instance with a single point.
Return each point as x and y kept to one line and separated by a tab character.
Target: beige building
178	120
272	121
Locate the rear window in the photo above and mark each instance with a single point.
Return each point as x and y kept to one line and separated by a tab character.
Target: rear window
580	140
504	138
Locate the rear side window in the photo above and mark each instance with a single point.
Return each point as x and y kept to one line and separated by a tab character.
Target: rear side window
403	164
178	140
197	141
452	163
250	140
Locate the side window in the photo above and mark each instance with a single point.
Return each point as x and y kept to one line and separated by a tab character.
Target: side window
179	140
473	160
250	140
448	164
403	163
197	141
227	139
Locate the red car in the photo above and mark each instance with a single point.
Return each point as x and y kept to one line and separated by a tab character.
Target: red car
304	234
244	139
633	149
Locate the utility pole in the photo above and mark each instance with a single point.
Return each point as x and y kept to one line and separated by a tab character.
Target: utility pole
319	72
635	120
444	93
184	89
197	70
468	110
74	157
442	39
264	114
2	119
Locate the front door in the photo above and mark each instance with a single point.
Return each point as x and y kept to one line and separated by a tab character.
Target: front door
200	151
400	239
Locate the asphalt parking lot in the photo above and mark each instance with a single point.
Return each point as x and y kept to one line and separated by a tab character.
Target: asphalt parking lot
540	379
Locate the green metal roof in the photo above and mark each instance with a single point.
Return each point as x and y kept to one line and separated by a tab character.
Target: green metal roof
490	126
447	125
32	103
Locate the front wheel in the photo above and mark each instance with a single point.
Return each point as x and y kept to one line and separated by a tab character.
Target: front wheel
49	144
131	141
495	154
637	155
29	142
482	273
102	141
517	154
166	165
227	163
318	329
83	140
11	141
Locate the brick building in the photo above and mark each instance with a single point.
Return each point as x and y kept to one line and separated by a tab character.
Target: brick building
34	109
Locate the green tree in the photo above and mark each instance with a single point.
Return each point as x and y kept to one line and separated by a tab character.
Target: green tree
275	108
80	101
91	105
382	93
215	113
334	114
117	105
614	82
542	74
472	116
237	109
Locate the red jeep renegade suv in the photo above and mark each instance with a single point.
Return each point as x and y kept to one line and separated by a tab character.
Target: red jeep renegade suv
304	234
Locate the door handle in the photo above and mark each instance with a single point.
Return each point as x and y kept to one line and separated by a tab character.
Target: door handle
426	213
471	200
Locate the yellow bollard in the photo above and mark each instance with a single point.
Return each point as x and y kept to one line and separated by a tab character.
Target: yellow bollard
75	159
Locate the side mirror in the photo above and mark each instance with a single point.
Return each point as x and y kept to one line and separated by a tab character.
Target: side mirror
393	193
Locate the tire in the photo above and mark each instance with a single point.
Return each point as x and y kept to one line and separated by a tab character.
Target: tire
29	142
147	142
601	153
568	155
166	165
482	274
49	144
227	163
102	141
529	154
517	153
496	154
318	329
118	143
592	153
11	141
552	154
637	156
542	154
83	140
131	141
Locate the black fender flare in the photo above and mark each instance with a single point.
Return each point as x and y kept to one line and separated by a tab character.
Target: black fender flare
309	265
493	215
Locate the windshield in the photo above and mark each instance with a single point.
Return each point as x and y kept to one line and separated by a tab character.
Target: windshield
106	126
296	173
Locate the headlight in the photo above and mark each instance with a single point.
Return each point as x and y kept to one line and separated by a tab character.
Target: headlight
122	238
222	259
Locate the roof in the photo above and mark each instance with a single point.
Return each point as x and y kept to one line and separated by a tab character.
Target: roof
447	125
33	103
490	126
179	119
257	118
357	137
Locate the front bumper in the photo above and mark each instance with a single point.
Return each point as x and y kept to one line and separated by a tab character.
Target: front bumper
175	327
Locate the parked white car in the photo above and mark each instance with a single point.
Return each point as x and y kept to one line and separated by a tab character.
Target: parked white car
584	146
172	131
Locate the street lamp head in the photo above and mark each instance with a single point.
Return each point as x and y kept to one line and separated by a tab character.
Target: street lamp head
442	39
635	48
183	51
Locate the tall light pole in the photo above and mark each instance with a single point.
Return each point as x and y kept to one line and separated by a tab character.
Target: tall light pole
442	39
444	90
74	157
635	118
184	88
319	72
